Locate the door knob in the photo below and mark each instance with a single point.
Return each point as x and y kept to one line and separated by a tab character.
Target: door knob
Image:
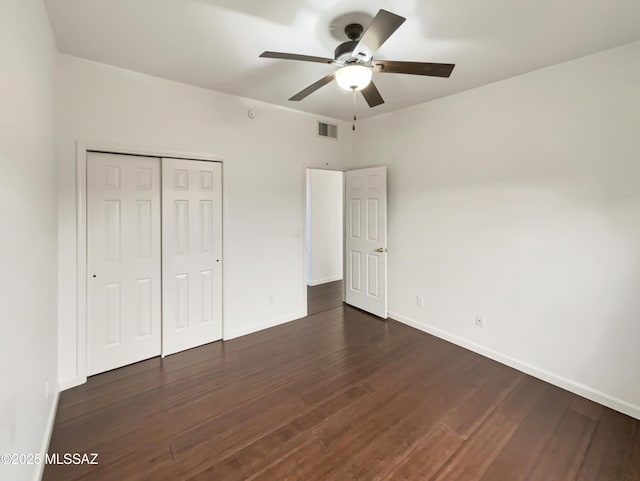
381	249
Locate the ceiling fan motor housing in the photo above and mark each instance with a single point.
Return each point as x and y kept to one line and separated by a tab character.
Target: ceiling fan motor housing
344	51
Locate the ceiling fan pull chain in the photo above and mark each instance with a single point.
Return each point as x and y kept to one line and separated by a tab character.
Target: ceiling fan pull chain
354	110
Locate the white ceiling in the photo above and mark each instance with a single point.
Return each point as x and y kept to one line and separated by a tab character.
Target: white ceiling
215	43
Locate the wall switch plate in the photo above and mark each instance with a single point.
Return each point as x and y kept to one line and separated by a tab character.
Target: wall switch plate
479	320
419	301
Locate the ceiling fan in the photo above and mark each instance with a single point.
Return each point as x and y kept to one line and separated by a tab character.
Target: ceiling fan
357	65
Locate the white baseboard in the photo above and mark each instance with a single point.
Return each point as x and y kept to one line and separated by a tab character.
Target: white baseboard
243	331
317	282
51	419
550	377
69	383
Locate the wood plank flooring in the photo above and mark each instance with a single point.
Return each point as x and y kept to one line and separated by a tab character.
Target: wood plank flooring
339	395
323	297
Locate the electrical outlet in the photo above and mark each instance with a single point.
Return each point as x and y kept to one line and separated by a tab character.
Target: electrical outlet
479	320
271	299
419	301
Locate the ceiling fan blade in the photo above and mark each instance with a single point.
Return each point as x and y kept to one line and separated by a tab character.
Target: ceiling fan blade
414	68
372	95
295	56
313	87
381	28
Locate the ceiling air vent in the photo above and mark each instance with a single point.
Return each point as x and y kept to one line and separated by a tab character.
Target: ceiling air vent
327	130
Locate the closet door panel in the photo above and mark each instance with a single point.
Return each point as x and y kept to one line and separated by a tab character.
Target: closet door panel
191	253
123	260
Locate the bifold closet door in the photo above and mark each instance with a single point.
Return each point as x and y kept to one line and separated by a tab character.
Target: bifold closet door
191	254
123	260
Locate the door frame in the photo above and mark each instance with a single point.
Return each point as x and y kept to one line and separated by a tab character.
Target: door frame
305	240
82	149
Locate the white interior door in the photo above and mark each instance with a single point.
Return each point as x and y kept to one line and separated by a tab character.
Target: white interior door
123	260
366	240
191	254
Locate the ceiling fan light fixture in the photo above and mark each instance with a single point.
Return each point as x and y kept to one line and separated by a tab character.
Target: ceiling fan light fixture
353	77
356	56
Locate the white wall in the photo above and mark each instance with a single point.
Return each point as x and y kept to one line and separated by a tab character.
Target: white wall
520	201
28	240
263	182
324	194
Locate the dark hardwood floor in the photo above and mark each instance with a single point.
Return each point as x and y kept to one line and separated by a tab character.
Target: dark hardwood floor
339	395
323	297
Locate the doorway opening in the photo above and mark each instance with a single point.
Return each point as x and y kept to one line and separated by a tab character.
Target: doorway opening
324	239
